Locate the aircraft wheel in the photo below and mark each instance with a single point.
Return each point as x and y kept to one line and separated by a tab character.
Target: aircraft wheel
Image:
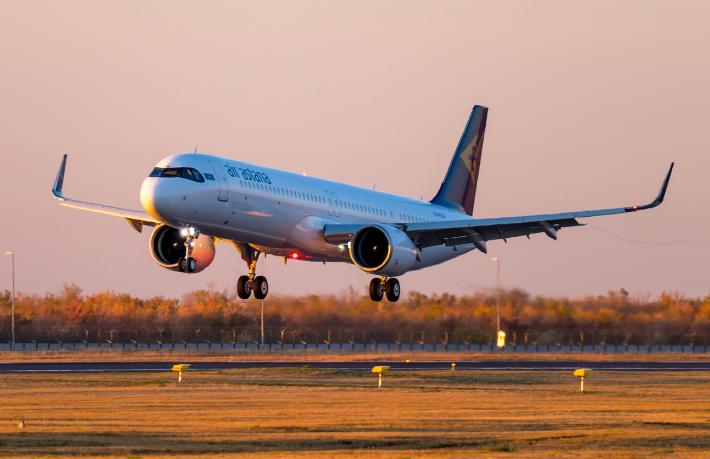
182	265
392	289
191	265
375	289
243	287
262	287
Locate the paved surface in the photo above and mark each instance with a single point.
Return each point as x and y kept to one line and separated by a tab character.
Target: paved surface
74	367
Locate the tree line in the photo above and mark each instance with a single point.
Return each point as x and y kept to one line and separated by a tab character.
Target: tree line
219	316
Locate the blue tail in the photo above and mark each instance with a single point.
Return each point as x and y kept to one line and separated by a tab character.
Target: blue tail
458	190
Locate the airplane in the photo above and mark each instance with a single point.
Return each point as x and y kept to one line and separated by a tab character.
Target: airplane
193	200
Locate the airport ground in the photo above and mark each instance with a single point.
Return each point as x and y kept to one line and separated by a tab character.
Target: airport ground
312	412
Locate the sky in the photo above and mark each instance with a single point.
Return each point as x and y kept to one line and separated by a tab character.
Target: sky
589	103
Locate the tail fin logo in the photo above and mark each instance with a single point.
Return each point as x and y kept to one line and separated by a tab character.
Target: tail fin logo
469	153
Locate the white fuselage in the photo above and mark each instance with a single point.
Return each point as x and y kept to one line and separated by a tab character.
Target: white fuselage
279	212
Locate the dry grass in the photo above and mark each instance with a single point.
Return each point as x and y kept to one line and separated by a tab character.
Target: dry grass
307	412
118	355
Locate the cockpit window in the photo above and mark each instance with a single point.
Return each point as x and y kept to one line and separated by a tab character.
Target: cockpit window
191	174
171	172
184	172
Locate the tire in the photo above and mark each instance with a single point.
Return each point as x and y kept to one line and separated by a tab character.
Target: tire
182	265
261	287
191	265
392	289
243	287
375	290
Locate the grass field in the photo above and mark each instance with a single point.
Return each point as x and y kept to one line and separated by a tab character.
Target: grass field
306	412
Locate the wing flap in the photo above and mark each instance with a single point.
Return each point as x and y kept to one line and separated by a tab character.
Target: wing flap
478	235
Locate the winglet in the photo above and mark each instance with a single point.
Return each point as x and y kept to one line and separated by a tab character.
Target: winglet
661	194
59	181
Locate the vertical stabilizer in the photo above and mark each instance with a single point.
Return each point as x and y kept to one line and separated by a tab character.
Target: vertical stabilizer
458	189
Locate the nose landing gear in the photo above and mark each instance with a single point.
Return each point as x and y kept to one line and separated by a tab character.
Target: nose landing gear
251	282
380	287
187	264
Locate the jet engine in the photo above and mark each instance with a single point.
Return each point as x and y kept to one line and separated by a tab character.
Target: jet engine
382	249
167	246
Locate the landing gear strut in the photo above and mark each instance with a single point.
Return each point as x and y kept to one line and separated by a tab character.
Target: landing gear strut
187	264
380	287
251	282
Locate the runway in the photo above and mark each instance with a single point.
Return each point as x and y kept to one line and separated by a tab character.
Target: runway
531	365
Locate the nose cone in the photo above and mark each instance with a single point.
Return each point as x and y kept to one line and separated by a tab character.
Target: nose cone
148	196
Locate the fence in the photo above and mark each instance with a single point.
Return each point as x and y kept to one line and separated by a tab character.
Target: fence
348	335
363	347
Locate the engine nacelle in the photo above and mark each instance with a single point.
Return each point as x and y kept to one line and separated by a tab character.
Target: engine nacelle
382	249
167	247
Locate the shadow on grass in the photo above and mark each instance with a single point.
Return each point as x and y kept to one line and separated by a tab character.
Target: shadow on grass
32	444
141	443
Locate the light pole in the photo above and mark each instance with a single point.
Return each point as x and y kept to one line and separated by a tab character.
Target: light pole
12	314
497	261
262	323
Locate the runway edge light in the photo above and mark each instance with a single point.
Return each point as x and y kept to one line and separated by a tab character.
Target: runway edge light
379	371
179	368
581	373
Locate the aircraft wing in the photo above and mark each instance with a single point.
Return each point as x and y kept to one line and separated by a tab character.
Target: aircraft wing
135	218
479	231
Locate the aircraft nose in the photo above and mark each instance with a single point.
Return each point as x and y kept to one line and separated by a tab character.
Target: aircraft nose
149	196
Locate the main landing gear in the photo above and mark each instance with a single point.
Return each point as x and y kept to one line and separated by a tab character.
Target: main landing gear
251	282
380	287
187	264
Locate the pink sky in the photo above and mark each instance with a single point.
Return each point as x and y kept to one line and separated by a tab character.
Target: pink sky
589	102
